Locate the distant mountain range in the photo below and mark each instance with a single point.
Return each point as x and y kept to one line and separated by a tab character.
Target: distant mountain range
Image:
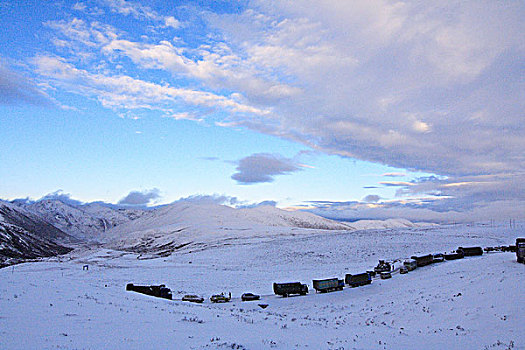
49	227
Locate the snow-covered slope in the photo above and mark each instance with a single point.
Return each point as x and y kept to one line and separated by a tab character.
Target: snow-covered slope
87	222
23	235
384	224
272	216
113	216
473	303
192	225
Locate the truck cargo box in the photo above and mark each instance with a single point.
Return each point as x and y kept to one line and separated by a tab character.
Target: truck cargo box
423	260
454	256
328	285
358	280
471	251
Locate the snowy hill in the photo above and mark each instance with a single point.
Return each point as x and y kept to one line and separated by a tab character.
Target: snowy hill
272	216
192	225
384	224
24	235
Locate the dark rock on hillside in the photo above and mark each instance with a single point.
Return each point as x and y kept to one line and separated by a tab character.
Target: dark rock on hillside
24	235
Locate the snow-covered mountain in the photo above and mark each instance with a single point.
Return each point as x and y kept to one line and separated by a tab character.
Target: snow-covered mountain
87	222
167	228
24	235
183	224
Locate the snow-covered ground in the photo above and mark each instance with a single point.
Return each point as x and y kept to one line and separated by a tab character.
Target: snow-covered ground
474	303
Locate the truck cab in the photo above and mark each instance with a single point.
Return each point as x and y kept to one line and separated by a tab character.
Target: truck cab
520	250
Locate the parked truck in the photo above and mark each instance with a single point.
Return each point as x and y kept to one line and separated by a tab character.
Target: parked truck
520	250
358	280
423	260
160	291
471	251
285	289
454	255
328	285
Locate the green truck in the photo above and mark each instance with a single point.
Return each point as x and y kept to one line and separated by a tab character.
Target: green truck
285	289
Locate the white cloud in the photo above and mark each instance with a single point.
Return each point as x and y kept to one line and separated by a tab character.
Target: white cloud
79	6
170	21
60	195
124	92
216	65
184	116
435	87
210	199
141	12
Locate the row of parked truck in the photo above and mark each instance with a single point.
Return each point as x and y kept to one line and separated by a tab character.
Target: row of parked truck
383	270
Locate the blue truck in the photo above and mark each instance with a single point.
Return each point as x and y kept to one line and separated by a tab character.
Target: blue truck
328	285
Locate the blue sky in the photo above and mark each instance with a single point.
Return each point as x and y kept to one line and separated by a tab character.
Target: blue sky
351	109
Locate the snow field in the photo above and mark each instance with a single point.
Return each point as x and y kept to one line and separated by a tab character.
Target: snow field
474	303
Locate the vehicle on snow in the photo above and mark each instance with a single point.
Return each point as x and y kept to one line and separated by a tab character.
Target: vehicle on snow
383	266
471	251
160	291
285	289
403	270
221	298
385	275
423	260
438	257
250	297
328	285
454	255
193	298
520	250
358	280
410	264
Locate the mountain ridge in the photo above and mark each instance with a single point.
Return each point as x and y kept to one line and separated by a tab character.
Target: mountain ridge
182	224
